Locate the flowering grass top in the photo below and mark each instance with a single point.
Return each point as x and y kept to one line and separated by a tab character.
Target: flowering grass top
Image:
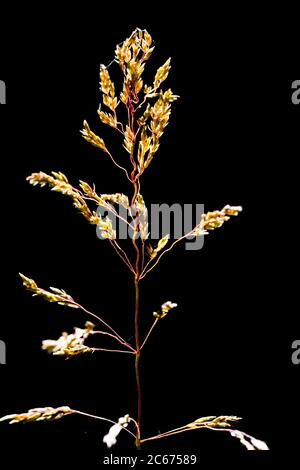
147	110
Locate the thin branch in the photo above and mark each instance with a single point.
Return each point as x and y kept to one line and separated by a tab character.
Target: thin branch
102	419
122	254
149	333
116	164
112	336
182	429
146	98
116	121
145	271
170	433
113	350
122	127
102	321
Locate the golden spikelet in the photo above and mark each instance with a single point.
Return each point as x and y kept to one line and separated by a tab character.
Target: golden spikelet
215	219
54	295
162	74
92	138
39	414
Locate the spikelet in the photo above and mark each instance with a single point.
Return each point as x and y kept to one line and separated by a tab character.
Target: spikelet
153	252
215	219
214	421
106	228
92	138
59	183
162	74
107	118
70	344
56	295
38	414
108	89
141	216
164	309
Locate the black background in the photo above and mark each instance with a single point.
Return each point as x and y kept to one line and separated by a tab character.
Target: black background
232	139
